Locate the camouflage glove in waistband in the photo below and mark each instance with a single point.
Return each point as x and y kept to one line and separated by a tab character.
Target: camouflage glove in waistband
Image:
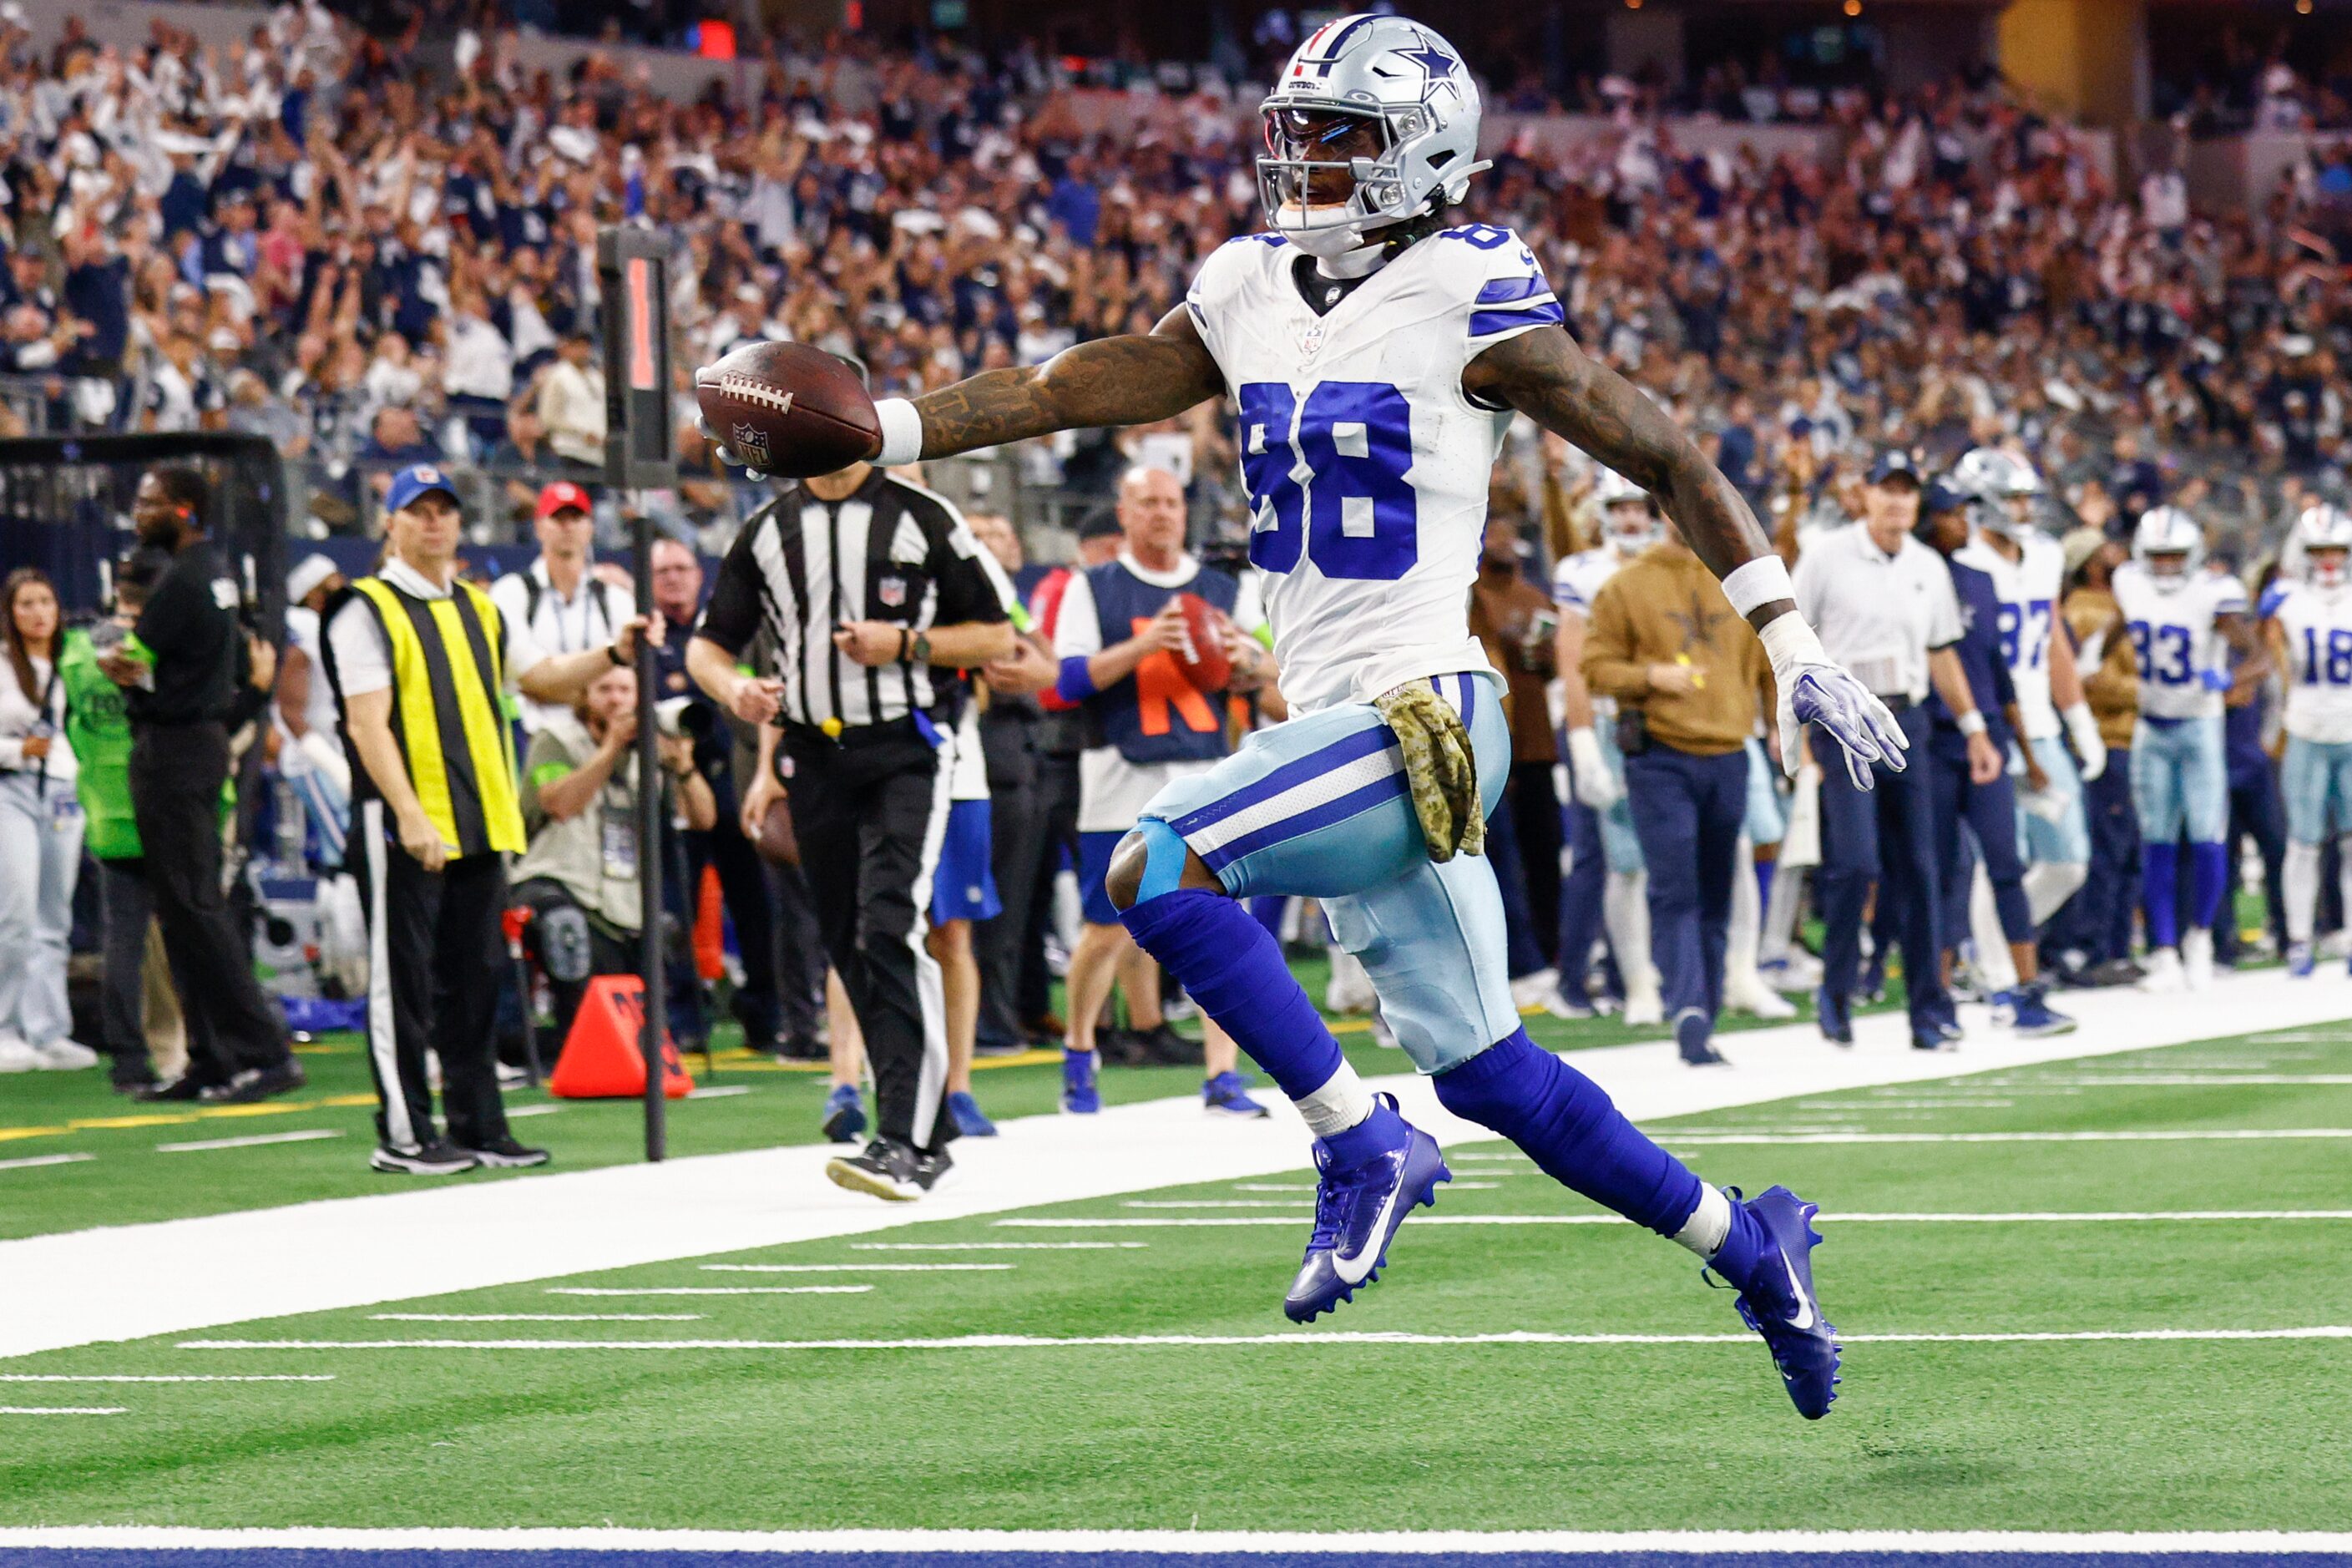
1440	767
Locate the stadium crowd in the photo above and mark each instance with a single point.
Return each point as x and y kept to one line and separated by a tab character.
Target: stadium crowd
386	273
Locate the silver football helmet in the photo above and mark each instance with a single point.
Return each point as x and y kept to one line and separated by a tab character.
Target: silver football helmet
2171	533
2002	490
2324	535
1627	520
1374	121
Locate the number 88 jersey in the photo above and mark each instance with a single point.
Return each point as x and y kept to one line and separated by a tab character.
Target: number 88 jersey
2173	638
2315	625
1365	461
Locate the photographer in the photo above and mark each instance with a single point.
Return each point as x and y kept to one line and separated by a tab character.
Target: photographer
580	806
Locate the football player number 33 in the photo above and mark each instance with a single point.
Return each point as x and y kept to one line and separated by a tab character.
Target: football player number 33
1355	514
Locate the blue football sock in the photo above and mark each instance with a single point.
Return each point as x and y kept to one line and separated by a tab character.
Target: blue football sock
1764	884
1567	1124
2160	892
2209	874
1743	1247
1233	968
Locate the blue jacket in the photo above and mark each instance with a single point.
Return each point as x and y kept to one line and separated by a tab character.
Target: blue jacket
1980	654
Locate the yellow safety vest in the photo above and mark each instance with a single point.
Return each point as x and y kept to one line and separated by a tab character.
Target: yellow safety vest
447	683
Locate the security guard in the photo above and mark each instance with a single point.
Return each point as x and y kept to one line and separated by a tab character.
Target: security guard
422	664
877	594
179	670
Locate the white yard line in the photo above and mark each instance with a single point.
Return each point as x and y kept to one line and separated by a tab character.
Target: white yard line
708	1290
2066	1216
998	1245
38	1160
858	1268
2186	1134
722	1092
532	1110
534	1317
310	1136
1274	1546
1141	1342
97	1285
62	1410
167	1377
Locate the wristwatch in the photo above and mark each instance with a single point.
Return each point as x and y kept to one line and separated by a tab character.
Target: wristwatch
922	648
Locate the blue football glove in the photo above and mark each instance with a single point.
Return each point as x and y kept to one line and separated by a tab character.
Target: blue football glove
2213	680
1815	690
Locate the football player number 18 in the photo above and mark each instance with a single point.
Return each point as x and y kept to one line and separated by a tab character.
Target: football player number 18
1355	515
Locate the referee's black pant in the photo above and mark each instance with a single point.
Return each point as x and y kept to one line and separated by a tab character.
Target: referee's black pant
176	773
870	815
436	957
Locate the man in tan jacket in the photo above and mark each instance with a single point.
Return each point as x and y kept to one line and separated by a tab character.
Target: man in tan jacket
1690	679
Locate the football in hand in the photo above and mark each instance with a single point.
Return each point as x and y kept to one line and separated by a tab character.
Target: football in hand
1202	658
788	409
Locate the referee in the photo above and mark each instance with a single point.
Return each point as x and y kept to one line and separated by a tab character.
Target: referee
422	663
179	696
877	594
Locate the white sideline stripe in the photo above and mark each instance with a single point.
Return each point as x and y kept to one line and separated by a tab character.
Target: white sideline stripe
708	1290
533	1110
27	1164
859	1267
1092	1341
535	1317
311	1136
167	1377
2188	1134
722	1092
1284	1546
379	1250
2062	1217
63	1409
998	1245
2197	1080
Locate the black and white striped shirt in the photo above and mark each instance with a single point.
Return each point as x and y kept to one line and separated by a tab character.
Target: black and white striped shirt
889	550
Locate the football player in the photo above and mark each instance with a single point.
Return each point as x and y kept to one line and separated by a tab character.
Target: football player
2308	625
1597	774
2179	617
1377	357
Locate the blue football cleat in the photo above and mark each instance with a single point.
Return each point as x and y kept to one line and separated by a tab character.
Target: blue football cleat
1079	1096
1227	1095
1778	1303
970	1121
2032	1014
1357	1212
844	1114
2299	962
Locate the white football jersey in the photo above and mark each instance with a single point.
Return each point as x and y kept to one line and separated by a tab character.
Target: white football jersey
1365	462
2029	592
2173	638
2315	625
1577	580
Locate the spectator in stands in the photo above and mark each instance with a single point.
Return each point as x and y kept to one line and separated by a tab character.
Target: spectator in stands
559	597
571	404
580	874
40	832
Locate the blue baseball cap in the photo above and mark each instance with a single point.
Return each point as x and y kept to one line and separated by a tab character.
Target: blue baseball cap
1941	497
1895	463
418	479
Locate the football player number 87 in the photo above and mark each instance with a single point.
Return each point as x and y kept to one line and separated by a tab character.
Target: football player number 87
1356	515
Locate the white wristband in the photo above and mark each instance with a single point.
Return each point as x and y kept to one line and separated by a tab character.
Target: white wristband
2078	719
1972	722
902	433
1757	583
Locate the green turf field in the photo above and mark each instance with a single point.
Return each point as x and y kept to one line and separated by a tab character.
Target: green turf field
1284	1432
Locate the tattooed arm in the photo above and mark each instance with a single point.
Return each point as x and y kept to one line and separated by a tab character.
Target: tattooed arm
1546	377
1127	380
1543	375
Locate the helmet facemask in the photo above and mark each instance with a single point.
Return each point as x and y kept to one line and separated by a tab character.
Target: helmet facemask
1326	175
1628	524
2167	569
2327	565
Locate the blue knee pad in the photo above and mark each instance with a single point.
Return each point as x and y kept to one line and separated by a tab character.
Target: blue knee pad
1163	859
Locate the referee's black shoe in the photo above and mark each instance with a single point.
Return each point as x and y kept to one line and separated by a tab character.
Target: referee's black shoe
435	1158
1160	1045
254	1085
888	1169
504	1153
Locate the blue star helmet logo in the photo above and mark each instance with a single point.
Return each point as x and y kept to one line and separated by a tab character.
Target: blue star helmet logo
1435	62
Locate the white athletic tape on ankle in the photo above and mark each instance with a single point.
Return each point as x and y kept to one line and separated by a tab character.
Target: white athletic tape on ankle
1758	583
1342	1102
1710	1223
902	433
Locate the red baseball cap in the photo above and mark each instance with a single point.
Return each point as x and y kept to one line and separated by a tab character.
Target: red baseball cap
564	495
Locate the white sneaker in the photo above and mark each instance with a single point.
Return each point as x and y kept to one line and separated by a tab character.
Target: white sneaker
2196	958
62	1055
1645	1009
16	1056
1529	992
1349	989
1799	973
2163	971
1746	991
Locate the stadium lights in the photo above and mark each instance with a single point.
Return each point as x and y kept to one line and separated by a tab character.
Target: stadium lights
1854	7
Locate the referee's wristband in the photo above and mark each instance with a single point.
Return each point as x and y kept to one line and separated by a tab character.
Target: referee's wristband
902	433
1758	583
612	652
1972	722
